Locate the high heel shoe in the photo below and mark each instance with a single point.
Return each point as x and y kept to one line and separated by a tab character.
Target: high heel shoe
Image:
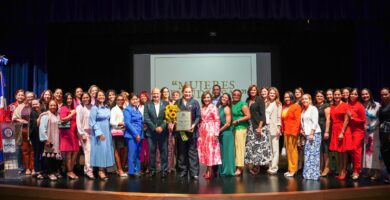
341	178
238	172
355	176
375	177
90	176
325	172
289	175
207	175
72	176
102	176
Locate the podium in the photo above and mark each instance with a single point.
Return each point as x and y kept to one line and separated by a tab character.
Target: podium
10	153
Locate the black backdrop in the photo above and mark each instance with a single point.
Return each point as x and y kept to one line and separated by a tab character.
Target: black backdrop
314	55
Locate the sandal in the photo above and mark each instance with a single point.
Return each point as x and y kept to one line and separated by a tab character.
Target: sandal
254	171
39	176
28	172
122	174
53	177
375	177
90	176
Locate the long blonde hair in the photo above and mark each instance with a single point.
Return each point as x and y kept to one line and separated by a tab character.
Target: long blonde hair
277	95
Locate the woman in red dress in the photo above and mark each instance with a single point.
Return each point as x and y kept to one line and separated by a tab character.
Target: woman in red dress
341	139
69	142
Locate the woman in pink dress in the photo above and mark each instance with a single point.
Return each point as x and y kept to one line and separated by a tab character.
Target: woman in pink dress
208	144
69	142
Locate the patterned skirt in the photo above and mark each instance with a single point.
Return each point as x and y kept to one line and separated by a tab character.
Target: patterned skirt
258	148
311	168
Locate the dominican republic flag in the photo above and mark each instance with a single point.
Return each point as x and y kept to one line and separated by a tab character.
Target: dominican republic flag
3	62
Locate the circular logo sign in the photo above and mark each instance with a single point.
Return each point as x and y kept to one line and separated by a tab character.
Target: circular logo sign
8	133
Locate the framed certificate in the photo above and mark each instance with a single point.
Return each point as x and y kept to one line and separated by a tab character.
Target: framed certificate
183	121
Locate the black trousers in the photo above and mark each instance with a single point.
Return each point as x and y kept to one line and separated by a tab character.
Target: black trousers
187	156
38	150
160	141
385	148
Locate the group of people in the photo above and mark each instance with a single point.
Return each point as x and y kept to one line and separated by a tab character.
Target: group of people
227	134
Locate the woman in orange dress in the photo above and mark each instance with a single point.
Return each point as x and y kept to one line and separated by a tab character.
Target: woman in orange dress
291	126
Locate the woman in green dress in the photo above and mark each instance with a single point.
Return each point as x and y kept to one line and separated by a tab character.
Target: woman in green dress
226	137
241	115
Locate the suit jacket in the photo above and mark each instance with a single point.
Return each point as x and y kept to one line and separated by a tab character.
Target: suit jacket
152	120
291	123
133	122
275	115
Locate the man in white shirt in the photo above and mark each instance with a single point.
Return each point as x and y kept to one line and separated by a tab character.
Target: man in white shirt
154	115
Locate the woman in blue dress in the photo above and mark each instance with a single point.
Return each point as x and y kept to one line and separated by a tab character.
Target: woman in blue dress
102	151
133	135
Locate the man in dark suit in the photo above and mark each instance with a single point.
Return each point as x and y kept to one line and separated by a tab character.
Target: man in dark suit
154	115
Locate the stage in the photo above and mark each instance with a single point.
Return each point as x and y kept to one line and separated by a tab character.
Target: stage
247	186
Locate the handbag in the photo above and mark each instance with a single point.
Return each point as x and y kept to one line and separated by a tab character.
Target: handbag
64	125
116	132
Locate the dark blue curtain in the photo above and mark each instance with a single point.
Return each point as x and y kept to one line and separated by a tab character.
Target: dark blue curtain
120	10
24	24
24	76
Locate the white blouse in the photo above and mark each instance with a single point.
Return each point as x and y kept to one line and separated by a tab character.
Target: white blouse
82	119
116	117
309	120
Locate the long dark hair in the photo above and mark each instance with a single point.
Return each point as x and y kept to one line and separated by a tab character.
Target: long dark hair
371	103
111	104
329	90
357	91
342	90
229	104
161	92
81	100
249	91
315	96
65	99
105	101
45	105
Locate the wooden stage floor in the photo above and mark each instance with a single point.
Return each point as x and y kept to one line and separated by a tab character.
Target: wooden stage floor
247	186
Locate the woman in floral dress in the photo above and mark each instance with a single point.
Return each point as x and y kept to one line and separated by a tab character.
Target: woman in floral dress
208	144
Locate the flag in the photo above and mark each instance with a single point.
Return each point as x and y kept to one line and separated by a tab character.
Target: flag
3	62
